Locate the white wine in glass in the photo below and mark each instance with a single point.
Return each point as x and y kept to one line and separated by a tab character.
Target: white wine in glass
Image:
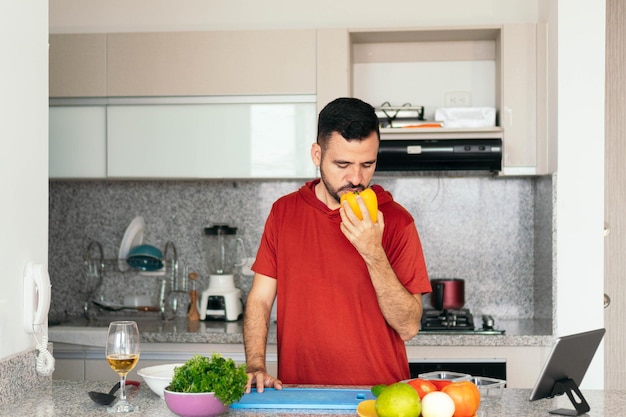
122	353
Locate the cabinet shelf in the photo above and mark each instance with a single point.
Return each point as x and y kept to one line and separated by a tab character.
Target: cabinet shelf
442	34
400	133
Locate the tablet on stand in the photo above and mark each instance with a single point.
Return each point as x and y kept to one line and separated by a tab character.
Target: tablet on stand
565	368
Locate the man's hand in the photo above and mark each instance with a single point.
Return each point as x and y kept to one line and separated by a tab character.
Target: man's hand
365	235
261	380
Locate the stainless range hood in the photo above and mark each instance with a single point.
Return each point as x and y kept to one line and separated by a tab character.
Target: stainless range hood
440	155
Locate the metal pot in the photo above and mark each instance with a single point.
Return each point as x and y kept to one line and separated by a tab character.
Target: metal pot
448	293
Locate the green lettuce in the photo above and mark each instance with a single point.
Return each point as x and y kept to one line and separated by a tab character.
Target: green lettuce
215	374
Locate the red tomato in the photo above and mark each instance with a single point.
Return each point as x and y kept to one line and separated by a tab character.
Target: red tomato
466	398
422	386
440	383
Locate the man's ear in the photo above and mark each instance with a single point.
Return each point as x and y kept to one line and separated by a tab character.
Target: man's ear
316	154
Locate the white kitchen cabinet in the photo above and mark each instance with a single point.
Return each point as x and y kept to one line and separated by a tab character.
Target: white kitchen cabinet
230	139
77	142
210	137
69	369
78	362
162	141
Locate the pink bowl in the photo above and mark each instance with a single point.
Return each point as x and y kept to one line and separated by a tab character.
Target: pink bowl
189	404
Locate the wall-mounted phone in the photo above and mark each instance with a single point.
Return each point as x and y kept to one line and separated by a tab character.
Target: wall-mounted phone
36	296
37	291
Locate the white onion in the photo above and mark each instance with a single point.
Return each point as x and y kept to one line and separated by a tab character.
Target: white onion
437	404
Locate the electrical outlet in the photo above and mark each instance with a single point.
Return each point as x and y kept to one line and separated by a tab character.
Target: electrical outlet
458	99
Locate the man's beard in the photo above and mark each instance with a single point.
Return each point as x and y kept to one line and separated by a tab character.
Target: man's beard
334	193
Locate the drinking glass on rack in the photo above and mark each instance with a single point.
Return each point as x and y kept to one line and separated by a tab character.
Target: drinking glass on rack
122	353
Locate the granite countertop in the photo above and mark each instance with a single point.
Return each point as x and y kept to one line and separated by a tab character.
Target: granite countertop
69	398
180	330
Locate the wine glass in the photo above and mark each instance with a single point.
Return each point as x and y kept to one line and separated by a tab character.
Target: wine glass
122	353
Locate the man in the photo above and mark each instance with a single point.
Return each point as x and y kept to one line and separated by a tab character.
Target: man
348	291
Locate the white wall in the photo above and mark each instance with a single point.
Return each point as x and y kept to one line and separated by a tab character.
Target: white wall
23	159
580	28
576	107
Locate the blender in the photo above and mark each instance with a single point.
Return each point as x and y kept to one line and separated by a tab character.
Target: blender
222	300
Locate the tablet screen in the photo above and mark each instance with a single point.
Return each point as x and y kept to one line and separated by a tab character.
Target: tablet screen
569	359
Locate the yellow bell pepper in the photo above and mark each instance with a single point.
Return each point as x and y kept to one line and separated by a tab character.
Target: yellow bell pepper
369	198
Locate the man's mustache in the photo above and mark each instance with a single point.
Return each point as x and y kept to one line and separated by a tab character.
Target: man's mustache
351	187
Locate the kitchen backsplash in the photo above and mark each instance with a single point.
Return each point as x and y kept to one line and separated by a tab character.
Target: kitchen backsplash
494	232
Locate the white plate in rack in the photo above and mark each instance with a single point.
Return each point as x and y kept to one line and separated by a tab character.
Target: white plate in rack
132	237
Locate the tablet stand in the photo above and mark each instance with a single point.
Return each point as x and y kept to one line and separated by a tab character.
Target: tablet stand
569	387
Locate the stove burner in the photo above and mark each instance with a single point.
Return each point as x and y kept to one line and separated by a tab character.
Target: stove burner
455	321
447	320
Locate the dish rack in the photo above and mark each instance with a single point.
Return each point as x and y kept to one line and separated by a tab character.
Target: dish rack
96	267
399	116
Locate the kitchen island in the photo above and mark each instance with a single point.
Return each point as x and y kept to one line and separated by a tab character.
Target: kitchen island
69	398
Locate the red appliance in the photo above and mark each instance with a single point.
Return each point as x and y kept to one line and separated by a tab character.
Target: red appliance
448	293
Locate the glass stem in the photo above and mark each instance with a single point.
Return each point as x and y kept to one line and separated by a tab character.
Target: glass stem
123	388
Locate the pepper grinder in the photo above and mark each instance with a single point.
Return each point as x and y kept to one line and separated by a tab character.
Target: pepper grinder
193	313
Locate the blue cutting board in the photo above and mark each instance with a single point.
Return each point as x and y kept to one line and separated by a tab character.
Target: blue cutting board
309	398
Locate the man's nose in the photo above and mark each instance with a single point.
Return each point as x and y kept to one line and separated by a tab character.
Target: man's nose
355	176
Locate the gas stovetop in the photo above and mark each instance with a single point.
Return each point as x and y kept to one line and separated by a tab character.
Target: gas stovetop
456	322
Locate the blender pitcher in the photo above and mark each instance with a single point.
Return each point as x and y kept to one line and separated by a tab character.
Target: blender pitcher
225	252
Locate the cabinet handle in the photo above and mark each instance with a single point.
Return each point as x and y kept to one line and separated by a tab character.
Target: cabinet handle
607	300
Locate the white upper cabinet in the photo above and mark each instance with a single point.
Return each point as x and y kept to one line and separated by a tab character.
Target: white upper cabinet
155	141
221	140
77	142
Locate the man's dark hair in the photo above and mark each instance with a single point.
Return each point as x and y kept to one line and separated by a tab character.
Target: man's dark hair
352	118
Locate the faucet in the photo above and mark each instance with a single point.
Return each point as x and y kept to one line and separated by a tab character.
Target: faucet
174	265
97	272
